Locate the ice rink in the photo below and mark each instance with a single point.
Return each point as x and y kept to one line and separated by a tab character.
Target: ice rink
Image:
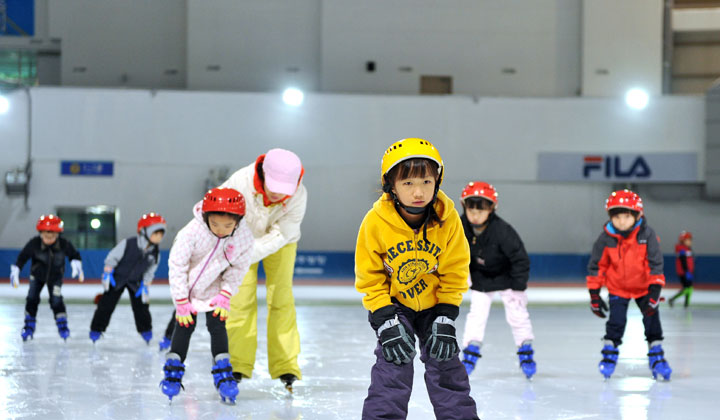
118	377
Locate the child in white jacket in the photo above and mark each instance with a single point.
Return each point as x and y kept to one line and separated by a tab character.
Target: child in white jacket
208	260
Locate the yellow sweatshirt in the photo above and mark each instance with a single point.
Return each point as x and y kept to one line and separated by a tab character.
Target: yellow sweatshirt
394	261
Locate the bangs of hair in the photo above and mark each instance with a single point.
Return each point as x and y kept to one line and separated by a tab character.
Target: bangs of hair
413	168
479	203
236	217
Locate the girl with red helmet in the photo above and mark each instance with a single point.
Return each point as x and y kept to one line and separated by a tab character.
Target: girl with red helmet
685	267
131	265
208	260
498	263
47	251
626	258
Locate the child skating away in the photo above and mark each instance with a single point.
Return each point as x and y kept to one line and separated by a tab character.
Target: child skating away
684	267
498	263
131	265
208	260
47	253
626	258
411	262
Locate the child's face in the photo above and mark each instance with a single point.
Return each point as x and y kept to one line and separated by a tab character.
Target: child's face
221	224
415	191
687	242
48	237
623	221
157	237
477	216
272	196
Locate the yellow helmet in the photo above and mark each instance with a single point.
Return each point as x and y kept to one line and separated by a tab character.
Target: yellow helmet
410	149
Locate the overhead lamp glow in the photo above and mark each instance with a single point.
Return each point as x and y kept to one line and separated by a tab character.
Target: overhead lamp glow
636	98
95	223
4	105
293	97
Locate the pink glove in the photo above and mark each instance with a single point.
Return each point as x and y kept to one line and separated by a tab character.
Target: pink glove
184	310
221	302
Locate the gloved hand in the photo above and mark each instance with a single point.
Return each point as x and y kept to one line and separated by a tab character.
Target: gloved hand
650	302
689	276
221	303
597	304
398	346
77	270
14	275
184	310
108	280
143	293
442	344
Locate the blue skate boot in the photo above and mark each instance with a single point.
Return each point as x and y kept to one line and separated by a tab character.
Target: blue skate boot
29	328
471	354
525	354
164	344
95	335
223	378
656	361
147	336
609	361
174	370
62	326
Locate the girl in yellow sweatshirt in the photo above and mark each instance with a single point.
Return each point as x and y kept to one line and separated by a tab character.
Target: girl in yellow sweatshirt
411	262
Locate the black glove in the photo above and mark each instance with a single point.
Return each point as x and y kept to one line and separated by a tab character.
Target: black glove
442	344
649	303
598	306
397	345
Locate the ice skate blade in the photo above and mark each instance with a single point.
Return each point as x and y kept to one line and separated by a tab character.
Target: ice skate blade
289	388
227	401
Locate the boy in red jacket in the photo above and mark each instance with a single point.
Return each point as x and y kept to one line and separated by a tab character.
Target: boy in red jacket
685	267
626	258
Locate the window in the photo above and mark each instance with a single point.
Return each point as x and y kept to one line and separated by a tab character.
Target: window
18	67
89	227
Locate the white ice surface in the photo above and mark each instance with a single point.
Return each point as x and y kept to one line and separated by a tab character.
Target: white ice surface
118	377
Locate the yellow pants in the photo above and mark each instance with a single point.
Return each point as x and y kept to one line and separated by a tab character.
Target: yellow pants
283	339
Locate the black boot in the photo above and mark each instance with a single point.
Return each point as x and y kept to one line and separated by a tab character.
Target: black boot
287	380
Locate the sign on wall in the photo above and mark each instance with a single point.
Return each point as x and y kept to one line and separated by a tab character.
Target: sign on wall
86	167
623	167
17	17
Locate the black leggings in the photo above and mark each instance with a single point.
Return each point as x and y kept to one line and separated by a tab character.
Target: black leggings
107	304
170	327
218	336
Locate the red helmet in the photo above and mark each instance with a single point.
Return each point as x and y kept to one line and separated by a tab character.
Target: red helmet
152	221
49	223
479	189
226	200
624	199
684	235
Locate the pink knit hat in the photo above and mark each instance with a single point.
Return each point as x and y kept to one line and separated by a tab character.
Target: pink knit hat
282	170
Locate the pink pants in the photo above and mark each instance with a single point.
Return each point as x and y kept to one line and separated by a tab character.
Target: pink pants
516	314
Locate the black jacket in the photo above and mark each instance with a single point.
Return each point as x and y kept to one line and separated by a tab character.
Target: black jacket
498	259
48	262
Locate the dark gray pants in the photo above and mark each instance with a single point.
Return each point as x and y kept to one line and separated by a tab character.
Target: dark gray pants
615	326
390	385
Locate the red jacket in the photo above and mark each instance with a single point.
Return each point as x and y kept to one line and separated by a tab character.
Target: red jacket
627	266
684	262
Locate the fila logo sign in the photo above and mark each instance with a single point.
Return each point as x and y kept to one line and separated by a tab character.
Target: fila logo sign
615	167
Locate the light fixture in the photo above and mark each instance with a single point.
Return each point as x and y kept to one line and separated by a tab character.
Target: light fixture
95	223
293	97
4	104
636	98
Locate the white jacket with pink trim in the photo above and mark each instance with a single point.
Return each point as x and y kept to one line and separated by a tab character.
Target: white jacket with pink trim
201	264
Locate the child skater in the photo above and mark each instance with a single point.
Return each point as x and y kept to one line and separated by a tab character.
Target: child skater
208	260
411	262
627	259
498	263
131	265
47	251
685	267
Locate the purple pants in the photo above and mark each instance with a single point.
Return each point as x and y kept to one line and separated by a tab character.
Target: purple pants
390	385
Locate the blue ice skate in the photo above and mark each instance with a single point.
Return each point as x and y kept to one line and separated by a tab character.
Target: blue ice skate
62	327
29	328
95	336
147	336
527	364
609	361
223	378
657	363
164	344
471	354
174	370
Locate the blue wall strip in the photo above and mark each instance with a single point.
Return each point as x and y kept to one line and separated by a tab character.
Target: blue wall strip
561	268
